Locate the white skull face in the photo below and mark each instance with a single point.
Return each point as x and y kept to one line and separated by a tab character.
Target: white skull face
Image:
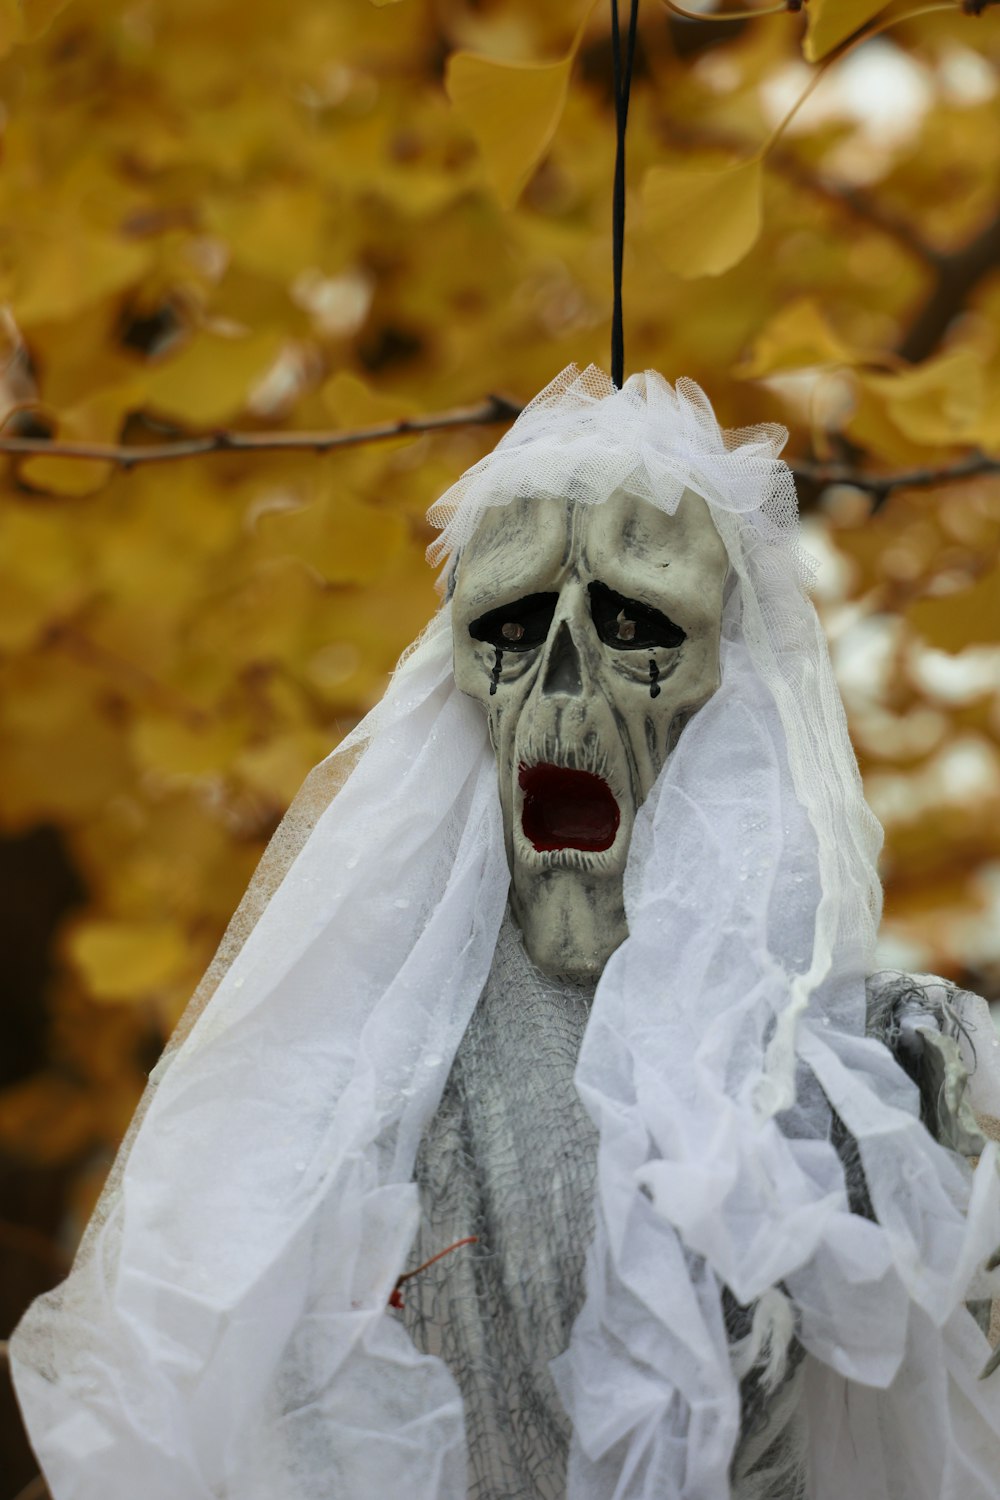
590	634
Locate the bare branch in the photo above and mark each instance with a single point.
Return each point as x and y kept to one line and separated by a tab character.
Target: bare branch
956	277
494	409
860	204
880	486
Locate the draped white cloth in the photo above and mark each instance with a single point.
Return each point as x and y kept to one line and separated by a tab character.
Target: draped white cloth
224	1332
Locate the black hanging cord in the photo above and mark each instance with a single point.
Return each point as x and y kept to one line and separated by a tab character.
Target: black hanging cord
623	87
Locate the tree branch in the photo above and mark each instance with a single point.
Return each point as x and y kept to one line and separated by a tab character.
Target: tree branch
880	486
956	275
860	204
493	409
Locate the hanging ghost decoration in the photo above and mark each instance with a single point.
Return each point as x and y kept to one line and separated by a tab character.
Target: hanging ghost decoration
720	1253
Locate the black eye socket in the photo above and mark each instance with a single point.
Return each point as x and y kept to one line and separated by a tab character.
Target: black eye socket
629	625
518	626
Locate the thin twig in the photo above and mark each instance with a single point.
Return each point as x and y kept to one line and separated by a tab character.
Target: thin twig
493	409
880	486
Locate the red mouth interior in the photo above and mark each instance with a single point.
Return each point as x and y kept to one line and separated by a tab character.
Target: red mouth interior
566	809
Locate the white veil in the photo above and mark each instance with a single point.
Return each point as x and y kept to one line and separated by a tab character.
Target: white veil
224	1333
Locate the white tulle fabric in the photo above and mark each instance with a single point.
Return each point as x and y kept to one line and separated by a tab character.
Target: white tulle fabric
224	1331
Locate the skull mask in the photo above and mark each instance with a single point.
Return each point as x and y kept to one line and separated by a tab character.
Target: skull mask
590	634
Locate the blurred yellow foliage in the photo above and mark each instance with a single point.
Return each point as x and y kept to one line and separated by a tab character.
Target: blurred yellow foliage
126	960
799	337
704	222
832	21
512	110
333	214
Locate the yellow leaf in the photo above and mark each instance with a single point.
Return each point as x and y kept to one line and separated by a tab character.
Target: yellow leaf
185	750
127	960
65	476
352	402
24	20
260	621
11	25
275	231
512	110
797	338
704	222
209	381
989	426
833	21
46	1120
39	15
61	753
70	268
336	669
278	768
42	572
968	617
96	420
940	401
339	537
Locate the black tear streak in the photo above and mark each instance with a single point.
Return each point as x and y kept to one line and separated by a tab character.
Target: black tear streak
654	686
497	668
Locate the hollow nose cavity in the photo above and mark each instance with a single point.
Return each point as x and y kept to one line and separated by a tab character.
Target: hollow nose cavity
562	669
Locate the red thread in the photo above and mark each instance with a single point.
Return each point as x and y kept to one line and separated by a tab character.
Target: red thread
395	1300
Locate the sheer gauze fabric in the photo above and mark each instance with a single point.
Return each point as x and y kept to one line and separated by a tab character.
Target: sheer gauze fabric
224	1332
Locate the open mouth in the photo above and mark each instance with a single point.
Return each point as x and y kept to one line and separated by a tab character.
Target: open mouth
566	809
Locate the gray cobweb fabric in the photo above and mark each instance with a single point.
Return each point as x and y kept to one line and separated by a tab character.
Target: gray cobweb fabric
510	1157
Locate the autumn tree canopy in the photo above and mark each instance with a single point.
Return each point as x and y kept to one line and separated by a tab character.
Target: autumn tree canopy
328	215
